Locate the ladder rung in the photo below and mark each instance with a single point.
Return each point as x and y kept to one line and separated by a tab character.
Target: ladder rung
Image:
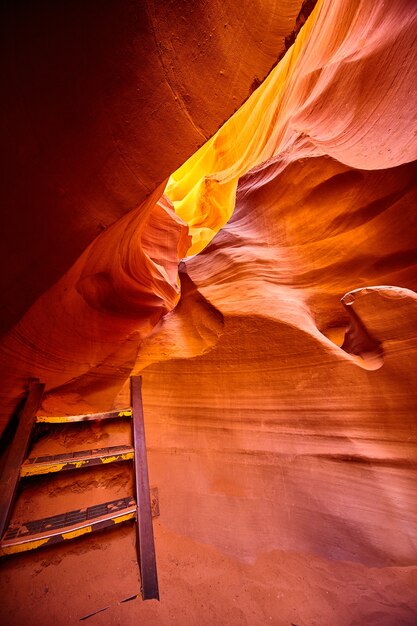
87	417
50	530
75	460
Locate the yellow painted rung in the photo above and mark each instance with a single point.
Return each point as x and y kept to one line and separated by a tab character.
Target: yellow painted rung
51	530
75	460
87	417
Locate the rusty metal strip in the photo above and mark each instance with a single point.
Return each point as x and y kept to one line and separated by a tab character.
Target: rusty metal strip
17	452
104	608
87	417
75	460
144	529
84	617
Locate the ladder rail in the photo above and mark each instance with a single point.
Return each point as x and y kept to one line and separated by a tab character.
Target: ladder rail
144	528
17	452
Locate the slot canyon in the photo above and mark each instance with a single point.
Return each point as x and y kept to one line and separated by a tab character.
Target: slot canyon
218	197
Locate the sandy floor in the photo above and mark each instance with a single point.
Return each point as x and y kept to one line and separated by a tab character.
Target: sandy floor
199	585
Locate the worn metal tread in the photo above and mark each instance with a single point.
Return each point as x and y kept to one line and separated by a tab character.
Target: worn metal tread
30	535
74	460
86	417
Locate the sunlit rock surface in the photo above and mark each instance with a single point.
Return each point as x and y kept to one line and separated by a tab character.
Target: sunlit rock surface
278	363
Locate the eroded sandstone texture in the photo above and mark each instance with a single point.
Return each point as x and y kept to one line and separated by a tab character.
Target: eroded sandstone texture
266	292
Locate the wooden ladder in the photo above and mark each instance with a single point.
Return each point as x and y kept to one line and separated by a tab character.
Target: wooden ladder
30	535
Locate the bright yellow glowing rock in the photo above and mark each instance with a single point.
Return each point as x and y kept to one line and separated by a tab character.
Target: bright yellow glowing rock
315	102
203	189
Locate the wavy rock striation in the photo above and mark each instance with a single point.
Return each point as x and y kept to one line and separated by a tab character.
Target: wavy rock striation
279	362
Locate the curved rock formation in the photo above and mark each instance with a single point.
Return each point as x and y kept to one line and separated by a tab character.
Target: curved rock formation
101	103
267	294
314	103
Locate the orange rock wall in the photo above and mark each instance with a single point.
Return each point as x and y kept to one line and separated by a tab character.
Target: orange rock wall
279	362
